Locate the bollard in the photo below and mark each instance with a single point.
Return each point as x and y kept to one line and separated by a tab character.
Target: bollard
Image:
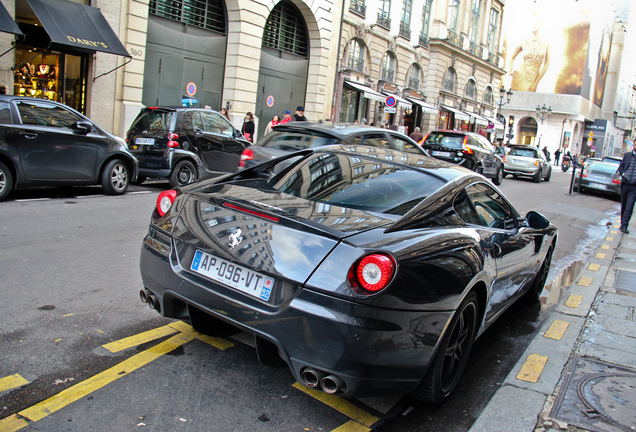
572	179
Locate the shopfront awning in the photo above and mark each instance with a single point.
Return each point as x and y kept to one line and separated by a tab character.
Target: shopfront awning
403	103
477	119
367	92
7	24
459	115
425	107
497	124
76	25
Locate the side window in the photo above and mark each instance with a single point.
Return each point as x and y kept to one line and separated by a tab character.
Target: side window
464	208
486	144
192	121
5	113
44	114
404	145
492	210
215	123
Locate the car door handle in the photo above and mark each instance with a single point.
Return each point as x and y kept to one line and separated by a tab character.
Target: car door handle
29	135
497	250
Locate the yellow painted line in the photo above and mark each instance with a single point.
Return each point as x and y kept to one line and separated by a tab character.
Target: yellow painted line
585	281
601	255
12	423
345	407
86	387
352	426
532	368
594	267
610	239
11	382
139	339
556	330
574	301
605	247
219	343
613	232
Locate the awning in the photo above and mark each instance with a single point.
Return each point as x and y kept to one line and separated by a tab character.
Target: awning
367	92
498	124
425	107
400	100
78	26
483	121
458	114
7	24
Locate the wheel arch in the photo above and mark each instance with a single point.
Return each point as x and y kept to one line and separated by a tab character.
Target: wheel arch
126	159
12	168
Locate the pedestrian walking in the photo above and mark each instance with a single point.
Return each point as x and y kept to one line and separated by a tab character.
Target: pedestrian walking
416	135
300	114
286	116
225	113
275	120
546	152
627	170
248	127
557	156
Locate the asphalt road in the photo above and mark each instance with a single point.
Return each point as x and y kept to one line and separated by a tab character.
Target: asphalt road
69	286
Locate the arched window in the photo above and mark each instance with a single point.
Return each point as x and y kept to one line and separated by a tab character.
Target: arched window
488	98
388	67
285	30
207	14
471	89
415	76
449	80
356	59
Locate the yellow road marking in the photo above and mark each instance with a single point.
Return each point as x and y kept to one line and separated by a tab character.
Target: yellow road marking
594	267
600	255
11	382
610	239
574	301
12	423
352	426
585	281
613	232
345	407
139	339
219	343
556	330
605	247
84	388
532	368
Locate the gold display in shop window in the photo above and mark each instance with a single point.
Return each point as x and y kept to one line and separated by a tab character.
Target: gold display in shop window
40	82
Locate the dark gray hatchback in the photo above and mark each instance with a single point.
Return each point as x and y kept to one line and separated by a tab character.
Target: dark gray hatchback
46	143
184	144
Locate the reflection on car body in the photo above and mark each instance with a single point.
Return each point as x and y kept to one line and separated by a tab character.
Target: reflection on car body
376	269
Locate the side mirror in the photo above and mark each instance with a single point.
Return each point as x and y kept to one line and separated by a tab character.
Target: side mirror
536	220
84	127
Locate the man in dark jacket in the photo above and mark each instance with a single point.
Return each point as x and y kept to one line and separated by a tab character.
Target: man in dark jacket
627	169
417	135
300	114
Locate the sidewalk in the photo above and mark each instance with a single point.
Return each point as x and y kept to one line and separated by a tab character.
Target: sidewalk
579	372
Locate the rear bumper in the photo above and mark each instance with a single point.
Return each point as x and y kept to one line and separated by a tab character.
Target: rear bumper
611	188
374	351
519	171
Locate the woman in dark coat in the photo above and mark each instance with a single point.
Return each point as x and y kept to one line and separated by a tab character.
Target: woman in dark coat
248	127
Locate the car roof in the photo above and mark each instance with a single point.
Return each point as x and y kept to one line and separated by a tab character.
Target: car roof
456	132
337	130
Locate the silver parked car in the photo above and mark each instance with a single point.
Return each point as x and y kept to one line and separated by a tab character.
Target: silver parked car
527	161
601	176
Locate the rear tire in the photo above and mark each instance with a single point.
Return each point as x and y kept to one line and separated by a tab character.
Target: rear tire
498	177
115	179
537	178
452	355
541	278
6	181
182	174
549	175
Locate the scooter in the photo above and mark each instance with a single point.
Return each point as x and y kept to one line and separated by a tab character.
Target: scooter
565	165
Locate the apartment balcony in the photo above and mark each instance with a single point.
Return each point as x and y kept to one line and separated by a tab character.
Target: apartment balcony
387	75
384	20
476	50
423	42
358	7
414	83
356	64
405	30
455	39
493	58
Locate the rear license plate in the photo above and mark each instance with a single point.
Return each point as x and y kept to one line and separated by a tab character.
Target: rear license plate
597	186
516	161
441	153
145	141
238	277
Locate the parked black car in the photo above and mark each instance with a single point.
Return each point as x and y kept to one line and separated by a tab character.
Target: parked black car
468	149
367	271
184	144
46	143
294	136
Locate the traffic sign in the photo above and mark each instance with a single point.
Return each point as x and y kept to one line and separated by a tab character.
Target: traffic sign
390	101
191	89
388	109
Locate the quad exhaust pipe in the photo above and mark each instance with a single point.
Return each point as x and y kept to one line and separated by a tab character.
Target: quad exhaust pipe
150	299
328	383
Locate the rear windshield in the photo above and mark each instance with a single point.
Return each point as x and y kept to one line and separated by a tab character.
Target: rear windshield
292	141
446	140
154	121
359	182
523	152
605	168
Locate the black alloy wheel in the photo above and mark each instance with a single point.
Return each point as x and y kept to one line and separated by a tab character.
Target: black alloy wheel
537	178
498	177
541	278
6	181
549	176
452	355
183	174
115	179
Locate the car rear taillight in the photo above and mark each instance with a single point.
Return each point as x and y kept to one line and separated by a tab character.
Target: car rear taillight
165	201
172	140
372	273
536	163
423	140
248	154
503	158
465	147
616	178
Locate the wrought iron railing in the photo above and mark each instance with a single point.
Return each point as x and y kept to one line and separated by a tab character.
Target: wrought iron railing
387	75
405	30
455	39
414	83
356	64
384	20
476	50
358	7
423	41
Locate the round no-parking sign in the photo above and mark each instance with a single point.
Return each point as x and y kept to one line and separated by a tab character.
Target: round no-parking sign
390	101
191	89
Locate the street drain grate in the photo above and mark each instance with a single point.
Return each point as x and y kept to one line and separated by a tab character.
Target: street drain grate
597	396
625	280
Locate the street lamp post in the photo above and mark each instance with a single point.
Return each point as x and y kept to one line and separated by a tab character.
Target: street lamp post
507	95
543	113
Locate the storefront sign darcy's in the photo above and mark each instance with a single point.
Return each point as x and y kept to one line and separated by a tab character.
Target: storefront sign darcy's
86	42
